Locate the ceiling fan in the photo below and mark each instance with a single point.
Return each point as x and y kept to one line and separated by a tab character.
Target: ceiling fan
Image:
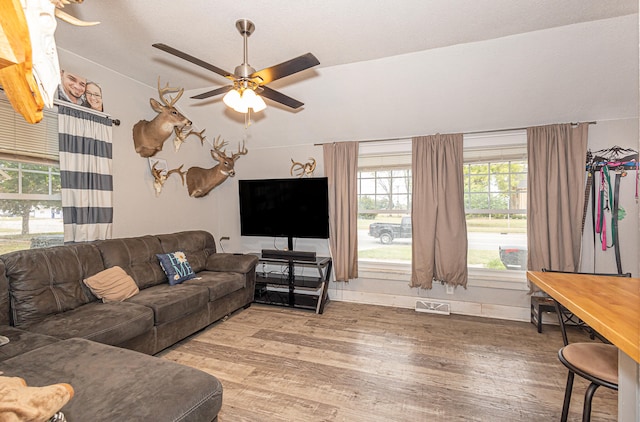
247	82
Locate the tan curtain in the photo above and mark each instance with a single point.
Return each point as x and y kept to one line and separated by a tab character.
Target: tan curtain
437	212
556	180
341	169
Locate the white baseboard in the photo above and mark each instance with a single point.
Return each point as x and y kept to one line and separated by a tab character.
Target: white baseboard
486	310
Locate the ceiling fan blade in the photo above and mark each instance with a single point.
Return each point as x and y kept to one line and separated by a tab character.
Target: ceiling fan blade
212	93
280	98
286	68
193	60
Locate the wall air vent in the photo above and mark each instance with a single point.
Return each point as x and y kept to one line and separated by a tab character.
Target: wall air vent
432	307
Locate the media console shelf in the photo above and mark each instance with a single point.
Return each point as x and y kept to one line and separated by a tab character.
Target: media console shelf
282	286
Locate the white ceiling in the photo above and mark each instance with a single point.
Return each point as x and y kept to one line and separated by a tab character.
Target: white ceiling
336	31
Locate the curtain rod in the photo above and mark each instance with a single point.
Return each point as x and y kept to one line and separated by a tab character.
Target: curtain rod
87	109
478	132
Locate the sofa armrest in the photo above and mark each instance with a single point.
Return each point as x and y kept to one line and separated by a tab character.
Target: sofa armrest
231	262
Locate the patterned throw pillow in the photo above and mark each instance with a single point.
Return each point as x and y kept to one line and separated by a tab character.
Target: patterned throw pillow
176	267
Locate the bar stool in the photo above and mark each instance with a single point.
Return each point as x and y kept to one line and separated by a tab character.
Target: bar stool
596	362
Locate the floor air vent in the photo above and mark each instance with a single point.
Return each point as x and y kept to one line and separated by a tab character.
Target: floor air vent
431	307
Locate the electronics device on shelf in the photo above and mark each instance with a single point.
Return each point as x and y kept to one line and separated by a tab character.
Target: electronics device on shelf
285	208
294	255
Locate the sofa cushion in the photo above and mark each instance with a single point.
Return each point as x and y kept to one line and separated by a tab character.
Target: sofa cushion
5	309
135	255
49	280
176	267
114	384
170	303
112	285
219	284
21	341
108	323
196	244
238	263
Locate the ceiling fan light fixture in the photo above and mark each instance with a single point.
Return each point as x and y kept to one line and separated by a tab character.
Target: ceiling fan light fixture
242	107
258	104
232	99
242	101
252	100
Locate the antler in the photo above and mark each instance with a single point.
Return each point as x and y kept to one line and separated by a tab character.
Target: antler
178	170
241	151
167	89
218	144
160	176
181	136
301	170
311	166
59	4
157	174
297	168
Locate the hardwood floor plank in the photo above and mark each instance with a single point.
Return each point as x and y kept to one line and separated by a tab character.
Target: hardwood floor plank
370	363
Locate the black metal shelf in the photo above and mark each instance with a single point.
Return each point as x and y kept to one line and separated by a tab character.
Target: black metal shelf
286	288
283	280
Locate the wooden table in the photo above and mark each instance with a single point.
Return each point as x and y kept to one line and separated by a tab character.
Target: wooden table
611	306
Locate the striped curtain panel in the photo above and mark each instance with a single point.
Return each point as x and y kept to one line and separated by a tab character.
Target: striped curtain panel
85	174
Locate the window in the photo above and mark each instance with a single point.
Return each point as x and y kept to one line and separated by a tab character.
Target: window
384	202
495	195
30	199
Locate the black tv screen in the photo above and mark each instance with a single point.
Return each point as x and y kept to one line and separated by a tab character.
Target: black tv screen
284	208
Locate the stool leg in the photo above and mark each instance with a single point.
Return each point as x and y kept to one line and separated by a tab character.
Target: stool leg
567	397
588	396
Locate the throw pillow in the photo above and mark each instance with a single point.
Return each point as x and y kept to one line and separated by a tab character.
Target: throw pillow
112	285
176	267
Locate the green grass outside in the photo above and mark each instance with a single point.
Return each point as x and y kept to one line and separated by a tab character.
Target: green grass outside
477	258
481	258
10	228
15	243
473	224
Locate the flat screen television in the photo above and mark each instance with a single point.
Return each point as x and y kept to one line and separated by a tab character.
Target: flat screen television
285	208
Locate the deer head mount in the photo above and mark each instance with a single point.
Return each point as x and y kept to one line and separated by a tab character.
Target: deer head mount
148	137
302	170
161	175
201	181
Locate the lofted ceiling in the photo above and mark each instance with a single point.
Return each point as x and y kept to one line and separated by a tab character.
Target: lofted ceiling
337	32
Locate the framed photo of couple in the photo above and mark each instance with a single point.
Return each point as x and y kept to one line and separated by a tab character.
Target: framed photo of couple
79	90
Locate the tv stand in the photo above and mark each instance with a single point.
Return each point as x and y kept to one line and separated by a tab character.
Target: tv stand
283	287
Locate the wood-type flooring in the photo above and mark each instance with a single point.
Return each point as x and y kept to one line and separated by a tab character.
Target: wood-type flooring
370	363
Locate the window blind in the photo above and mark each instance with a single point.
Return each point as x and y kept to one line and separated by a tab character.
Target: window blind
23	141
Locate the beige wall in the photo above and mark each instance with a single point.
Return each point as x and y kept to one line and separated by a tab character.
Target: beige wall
137	210
577	73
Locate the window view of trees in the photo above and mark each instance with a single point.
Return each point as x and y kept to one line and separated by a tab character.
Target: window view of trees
30	205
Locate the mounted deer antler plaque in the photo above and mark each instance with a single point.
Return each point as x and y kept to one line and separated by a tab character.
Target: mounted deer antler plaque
302	170
160	175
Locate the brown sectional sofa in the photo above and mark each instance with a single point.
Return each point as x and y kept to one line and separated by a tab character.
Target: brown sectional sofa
45	307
